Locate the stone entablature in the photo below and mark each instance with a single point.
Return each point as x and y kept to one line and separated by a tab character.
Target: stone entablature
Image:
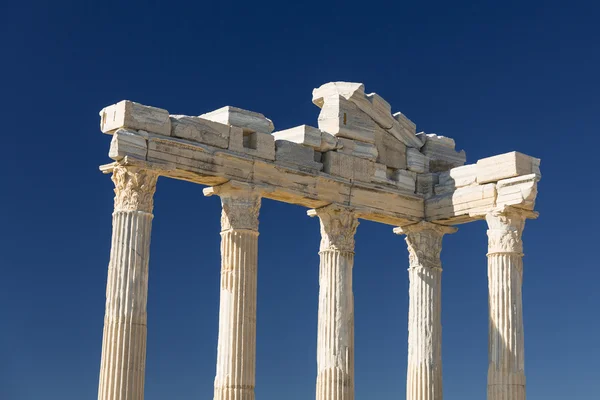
361	162
360	156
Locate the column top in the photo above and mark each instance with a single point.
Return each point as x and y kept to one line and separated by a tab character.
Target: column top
232	188
422	226
338	227
131	162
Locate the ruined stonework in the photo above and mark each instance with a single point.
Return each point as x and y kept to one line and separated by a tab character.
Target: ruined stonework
360	160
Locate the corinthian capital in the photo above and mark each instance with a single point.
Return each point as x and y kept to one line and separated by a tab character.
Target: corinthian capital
505	227
241	205
338	226
424	241
134	188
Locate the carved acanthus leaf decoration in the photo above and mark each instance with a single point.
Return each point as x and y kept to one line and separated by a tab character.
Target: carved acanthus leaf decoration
134	188
240	210
338	227
505	228
424	241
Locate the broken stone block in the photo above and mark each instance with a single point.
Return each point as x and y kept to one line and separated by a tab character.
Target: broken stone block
426	183
390	151
332	89
400	179
309	136
380	174
372	105
200	130
416	161
358	149
459	176
249	121
127	143
261	145
405	123
328	142
441	153
505	166
134	116
405	130
404	179
296	154
519	191
303	134
469	200
347	166
342	118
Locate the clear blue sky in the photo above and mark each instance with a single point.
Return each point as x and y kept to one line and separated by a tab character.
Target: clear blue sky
496	77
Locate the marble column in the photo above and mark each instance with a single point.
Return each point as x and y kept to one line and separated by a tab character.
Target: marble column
236	351
335	341
506	370
124	340
424	372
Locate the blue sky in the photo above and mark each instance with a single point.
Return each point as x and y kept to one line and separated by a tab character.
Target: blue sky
495	76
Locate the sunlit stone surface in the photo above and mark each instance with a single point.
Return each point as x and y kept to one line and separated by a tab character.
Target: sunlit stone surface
362	160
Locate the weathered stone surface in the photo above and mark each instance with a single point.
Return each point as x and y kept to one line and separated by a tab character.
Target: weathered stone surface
261	145
401	179
130	115
506	348
456	177
296	154
372	105
342	118
335	341
426	183
416	161
127	143
250	157
441	153
249	121
459	176
405	180
390	151
344	89
303	134
358	149
520	191
200	130
508	165
125	319
462	205
328	142
349	167
243	165
405	123
424	372
236	350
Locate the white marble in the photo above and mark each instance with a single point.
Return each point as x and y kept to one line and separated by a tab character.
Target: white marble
507	165
249	121
362	162
124	339
236	349
424	372
335	340
131	115
506	370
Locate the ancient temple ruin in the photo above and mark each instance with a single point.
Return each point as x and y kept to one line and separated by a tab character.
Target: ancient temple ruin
361	162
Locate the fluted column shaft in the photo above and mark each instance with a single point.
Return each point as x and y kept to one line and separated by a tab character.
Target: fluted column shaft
335	341
236	352
424	371
124	339
506	370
